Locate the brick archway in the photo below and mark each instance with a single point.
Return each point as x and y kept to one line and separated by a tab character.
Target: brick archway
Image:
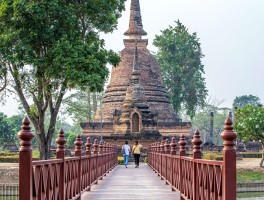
135	122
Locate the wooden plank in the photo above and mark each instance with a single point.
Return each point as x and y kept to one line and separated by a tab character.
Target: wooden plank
131	184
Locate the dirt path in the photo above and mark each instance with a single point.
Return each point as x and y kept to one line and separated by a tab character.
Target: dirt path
9	173
249	164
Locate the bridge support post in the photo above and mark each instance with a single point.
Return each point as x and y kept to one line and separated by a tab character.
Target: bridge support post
88	153
172	153
167	160
95	145
60	154
197	154
182	144
25	161
78	153
229	156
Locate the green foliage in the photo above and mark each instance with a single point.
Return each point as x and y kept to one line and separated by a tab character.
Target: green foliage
249	176
7	131
35	153
82	105
120	160
48	47
212	156
219	158
179	55
61	124
71	139
201	120
13	159
251	154
249	123
244	100
16	122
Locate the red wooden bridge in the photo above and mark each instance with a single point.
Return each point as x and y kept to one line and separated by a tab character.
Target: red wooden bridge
95	174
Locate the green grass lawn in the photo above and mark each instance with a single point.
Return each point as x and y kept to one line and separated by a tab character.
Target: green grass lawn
248	176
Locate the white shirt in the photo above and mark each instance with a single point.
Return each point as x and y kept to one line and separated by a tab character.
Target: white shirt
126	148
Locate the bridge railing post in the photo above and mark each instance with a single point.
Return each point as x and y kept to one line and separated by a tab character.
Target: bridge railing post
197	154
154	158
88	152
182	144
25	161
229	159
60	154
78	153
100	162
108	157
116	154
167	159
172	153
158	158
95	161
105	158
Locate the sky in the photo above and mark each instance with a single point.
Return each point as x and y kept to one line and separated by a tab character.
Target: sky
231	33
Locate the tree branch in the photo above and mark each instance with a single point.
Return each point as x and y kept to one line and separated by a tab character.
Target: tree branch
5	83
18	88
55	110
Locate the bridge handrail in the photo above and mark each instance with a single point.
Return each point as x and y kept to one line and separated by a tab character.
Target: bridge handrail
196	178
62	178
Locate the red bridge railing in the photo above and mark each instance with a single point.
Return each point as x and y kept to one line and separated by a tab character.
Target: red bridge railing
194	177
62	178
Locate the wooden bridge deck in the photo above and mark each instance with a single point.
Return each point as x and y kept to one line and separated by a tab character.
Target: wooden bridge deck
131	184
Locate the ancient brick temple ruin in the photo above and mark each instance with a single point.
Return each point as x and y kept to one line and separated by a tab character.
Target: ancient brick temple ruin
136	103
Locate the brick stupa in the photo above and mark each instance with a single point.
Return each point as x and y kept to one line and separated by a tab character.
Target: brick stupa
136	103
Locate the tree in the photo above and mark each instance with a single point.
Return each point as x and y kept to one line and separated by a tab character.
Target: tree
15	121
48	47
249	125
201	120
179	55
82	105
71	139
244	100
7	133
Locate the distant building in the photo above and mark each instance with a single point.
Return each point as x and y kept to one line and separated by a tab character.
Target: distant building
136	102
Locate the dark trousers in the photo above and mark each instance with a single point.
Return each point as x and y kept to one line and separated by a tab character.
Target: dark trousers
137	156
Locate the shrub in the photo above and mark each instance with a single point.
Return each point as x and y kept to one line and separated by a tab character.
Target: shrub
212	156
251	154
120	160
219	158
35	153
13	159
208	156
7	153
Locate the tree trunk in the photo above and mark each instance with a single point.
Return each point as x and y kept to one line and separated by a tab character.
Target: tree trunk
44	150
94	102
44	143
89	105
262	159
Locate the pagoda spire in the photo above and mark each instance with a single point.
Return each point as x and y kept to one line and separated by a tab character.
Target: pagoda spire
135	64
135	30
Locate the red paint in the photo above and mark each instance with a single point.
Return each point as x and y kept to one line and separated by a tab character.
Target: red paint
195	178
61	178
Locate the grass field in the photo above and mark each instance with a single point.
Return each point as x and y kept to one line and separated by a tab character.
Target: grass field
249	176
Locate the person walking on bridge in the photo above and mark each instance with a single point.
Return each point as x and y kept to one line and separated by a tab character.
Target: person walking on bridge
136	151
125	152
